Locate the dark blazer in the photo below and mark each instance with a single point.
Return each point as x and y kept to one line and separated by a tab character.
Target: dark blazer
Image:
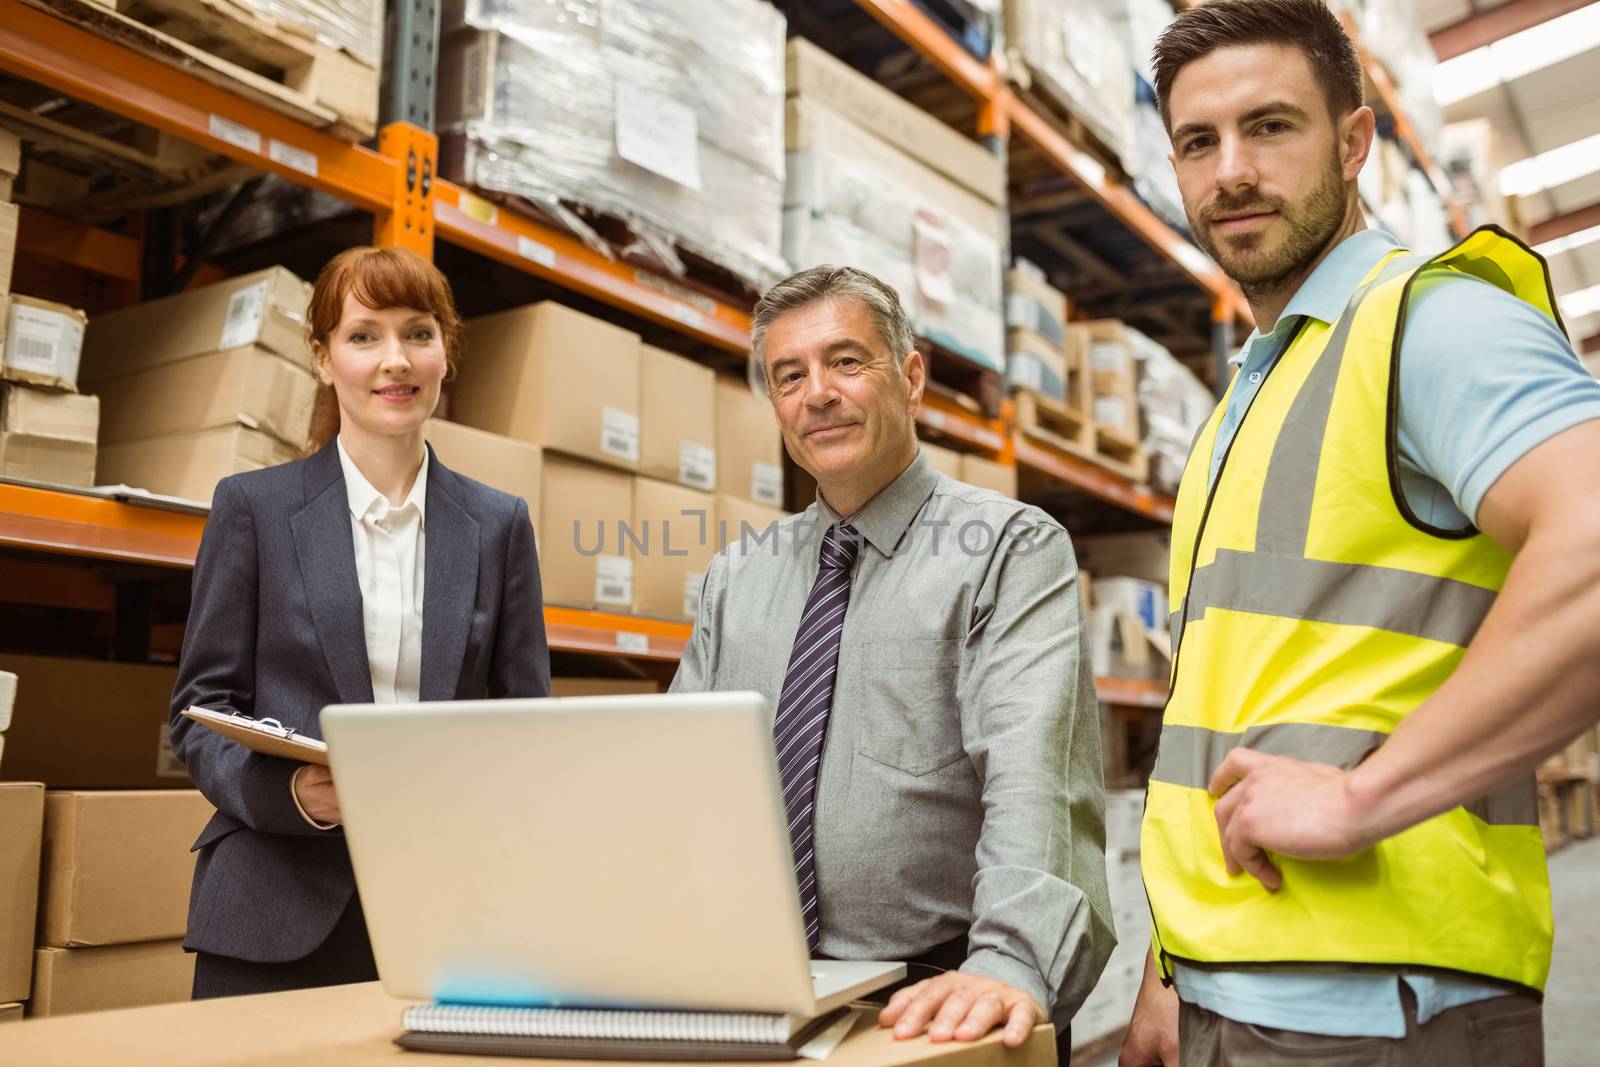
275	631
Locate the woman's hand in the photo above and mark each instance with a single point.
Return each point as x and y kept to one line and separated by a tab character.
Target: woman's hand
313	789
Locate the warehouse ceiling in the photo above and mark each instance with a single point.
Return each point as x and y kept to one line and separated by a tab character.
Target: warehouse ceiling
1532	68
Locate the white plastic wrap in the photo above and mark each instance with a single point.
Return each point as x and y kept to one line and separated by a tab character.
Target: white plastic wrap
1153	177
1068	51
353	25
666	113
1139	23
1174	403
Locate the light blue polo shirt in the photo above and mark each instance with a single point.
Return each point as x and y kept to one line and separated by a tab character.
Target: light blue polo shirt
1484	378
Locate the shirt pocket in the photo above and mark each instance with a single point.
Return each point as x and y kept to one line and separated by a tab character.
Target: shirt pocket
910	719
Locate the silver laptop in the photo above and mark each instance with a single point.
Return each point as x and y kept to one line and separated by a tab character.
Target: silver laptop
597	851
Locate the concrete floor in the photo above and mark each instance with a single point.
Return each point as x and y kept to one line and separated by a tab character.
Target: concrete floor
1572	999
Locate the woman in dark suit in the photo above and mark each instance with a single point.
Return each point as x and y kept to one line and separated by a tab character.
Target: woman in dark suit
366	572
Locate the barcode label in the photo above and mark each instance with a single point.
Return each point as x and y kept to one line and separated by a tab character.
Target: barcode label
246	310
697	465
233	133
619	434
632	643
766	483
1025	372
613	581
30	352
543	255
43	342
293	158
692	581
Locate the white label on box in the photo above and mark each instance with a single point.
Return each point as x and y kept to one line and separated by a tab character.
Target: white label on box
1111	411
766	483
613	581
293	158
543	255
632	643
44	342
697	465
168	765
238	136
1025	372
619	434
692	582
1108	356
658	133
246	310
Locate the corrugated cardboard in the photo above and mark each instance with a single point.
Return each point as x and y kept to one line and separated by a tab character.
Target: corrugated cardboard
190	464
987	474
71	980
735	516
89	724
1133	555
815	75
555	377
10	1013
43	342
267	308
251	387
601	687
117	865
51	460
21	830
676	528
677	419
583	561
8	249
49	413
502	463
944	460
749	448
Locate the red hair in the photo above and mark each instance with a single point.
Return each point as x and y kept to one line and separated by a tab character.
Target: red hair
379	278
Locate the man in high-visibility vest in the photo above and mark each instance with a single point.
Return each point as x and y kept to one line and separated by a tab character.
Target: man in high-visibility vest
1386	593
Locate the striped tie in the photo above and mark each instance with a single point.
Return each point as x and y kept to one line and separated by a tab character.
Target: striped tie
802	719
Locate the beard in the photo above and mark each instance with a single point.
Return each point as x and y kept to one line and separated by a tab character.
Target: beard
1254	263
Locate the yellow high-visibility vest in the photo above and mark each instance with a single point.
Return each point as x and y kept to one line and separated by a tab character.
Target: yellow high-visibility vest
1312	613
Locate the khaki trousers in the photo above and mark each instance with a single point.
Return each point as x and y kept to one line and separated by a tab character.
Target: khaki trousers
1503	1031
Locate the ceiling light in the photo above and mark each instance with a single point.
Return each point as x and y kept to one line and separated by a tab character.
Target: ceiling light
1569	243
1550	169
1576	305
1521	53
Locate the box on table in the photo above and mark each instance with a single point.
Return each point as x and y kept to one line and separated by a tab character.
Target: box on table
71	980
1034	362
43	342
1032	303
554	377
51	460
1146	556
266	309
583	560
8	248
252	387
21	834
738	517
502	463
815	75
190	465
987	474
946	461
677	419
676	530
749	447
602	687
117	866
90	724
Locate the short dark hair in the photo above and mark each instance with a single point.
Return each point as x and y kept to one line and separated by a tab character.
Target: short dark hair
1306	24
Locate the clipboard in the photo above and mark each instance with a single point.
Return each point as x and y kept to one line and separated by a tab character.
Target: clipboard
266	736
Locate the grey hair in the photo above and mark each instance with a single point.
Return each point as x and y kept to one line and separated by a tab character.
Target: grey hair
829	282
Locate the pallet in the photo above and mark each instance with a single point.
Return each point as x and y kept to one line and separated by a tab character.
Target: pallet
1059	117
276	64
975	387
1122	453
1048	420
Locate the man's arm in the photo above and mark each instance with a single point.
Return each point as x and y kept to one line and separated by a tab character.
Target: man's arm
1528	684
1041	929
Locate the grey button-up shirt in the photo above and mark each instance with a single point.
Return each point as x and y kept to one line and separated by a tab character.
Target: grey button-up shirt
961	785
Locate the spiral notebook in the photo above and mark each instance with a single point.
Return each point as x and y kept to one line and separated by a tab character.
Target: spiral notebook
613	1034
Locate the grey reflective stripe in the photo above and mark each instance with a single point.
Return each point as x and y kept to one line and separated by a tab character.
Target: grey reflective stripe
1291	478
1175	625
1190	756
1350	594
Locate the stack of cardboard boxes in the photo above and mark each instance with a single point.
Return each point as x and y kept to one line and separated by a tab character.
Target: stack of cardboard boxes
974	470
21	830
47	430
1039	357
1129	635
1114	391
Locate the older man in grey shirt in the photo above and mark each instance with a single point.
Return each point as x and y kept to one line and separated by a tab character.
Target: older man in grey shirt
936	722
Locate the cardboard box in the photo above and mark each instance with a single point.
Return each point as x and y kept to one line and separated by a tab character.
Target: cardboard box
1034	362
11	1013
8	248
190	465
10	166
1146	556
51	460
43	342
502	463
944	460
1113	374
71	980
737	517
1032	303
27	409
987	474
555	377
583	559
251	387
266	309
90	724
749	447
815	75
602	687
677	419
677	531
21	832
117	866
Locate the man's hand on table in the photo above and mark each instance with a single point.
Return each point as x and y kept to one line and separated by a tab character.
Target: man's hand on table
957	1006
